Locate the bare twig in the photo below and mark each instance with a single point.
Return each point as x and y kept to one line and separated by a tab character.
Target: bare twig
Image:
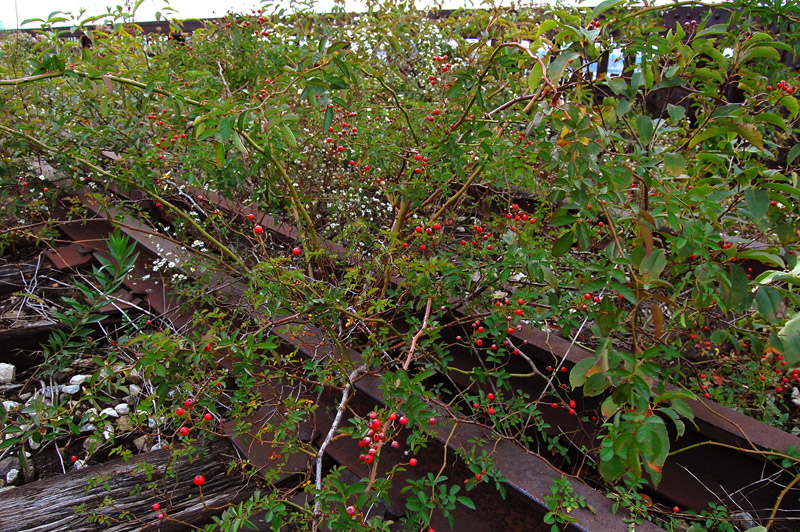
416	337
334	427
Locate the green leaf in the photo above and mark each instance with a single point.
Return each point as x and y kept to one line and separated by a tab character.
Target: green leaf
535	77
595	385
617	85
603	7
328	119
219	154
765	51
762	256
556	69
623	106
772	119
790	102
466	501
769	303
652	266
736	295
288	136
792	155
563	243
757	202
545	26
578	375
644	126
676	112
674	163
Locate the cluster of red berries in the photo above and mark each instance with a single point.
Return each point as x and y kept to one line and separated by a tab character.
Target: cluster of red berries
784	383
376	435
594	24
188	404
518	215
782	85
490	410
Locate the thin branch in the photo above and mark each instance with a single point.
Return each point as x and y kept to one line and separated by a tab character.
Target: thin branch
334	427
416	337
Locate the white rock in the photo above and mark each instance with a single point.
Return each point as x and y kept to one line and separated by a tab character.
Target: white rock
89	427
109	412
135	390
10	405
7	373
12	477
71	389
79	379
32	444
123	409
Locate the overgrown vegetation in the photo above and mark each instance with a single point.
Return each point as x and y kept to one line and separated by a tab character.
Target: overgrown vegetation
480	178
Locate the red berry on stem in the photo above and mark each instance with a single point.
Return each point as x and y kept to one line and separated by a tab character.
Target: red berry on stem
156	507
412	462
199	480
258	229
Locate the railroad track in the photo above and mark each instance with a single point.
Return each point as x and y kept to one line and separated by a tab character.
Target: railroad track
690	479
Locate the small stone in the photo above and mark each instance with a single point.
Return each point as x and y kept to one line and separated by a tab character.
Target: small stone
13	477
10	405
7	373
70	389
79	379
134	376
141	443
109	412
88	427
33	445
123	409
8	463
135	390
124	423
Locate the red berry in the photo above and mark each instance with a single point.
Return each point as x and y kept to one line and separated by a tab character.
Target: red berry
156	507
258	229
179	411
351	511
403	420
412	462
251	216
199	480
491	411
208	416
73	458
160	516
183	431
432	421
296	251
188	403
392	416
490	396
